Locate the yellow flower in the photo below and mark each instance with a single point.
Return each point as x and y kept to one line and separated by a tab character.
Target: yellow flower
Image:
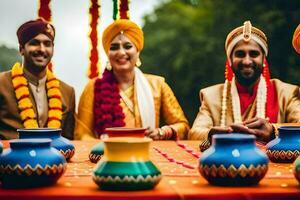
22	91
55	103
17	69
28	113
55	113
30	123
54	124
53	92
20	80
25	103
53	84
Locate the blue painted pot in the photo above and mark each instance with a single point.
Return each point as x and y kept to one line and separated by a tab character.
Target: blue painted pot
233	160
62	144
286	147
96	152
30	163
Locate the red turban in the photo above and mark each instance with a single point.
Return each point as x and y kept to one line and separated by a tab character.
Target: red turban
129	29
32	28
296	39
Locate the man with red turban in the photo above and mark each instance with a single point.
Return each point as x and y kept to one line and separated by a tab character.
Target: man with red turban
30	95
248	101
126	97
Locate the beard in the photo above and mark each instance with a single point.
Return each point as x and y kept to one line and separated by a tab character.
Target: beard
244	78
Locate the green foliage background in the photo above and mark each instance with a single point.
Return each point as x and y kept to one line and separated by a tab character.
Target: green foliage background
184	42
8	56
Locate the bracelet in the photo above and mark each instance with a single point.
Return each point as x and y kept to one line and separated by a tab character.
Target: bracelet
160	132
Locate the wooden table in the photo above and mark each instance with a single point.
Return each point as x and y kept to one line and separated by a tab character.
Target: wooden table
180	180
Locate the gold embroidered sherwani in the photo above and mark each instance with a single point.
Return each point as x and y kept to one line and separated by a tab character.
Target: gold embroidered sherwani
10	119
166	106
209	114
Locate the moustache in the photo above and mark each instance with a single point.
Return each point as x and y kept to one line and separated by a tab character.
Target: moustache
252	65
39	53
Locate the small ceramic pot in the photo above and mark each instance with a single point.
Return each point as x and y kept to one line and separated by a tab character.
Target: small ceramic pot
96	152
125	132
233	160
30	163
126	165
62	144
286	147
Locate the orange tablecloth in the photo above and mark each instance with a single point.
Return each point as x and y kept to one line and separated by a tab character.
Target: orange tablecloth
178	182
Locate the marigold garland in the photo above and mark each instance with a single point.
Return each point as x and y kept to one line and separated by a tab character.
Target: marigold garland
25	105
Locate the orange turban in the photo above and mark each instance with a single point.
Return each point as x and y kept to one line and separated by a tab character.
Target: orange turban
129	29
296	39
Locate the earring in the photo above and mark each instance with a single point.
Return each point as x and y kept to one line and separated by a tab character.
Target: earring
108	66
138	62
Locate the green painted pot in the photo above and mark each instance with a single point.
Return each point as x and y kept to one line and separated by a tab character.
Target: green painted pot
297	169
126	165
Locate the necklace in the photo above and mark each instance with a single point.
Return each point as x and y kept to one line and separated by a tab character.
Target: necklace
261	100
25	105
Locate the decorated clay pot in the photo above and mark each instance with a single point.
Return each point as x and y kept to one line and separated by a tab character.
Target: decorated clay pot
126	165
62	144
125	132
234	160
286	147
30	163
96	152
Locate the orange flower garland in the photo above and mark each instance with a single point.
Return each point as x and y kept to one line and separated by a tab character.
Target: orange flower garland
25	106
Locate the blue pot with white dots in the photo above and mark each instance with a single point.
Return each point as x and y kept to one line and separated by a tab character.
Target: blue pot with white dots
59	142
233	160
30	163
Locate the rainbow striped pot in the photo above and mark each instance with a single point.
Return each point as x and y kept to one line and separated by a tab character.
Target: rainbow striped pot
30	163
60	143
126	165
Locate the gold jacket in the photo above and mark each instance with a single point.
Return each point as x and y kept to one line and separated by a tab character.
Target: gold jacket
209	114
166	106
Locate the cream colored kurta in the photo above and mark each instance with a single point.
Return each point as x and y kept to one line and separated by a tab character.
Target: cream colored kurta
166	106
209	114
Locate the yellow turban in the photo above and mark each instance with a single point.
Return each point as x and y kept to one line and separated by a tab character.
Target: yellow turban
296	39
246	33
129	29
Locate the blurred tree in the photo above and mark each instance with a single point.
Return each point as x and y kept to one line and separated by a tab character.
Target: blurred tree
8	56
184	42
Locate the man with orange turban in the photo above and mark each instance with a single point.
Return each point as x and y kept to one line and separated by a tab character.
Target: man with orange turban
296	39
124	96
249	101
30	94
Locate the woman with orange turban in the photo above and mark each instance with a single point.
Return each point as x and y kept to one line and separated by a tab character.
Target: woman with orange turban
124	96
